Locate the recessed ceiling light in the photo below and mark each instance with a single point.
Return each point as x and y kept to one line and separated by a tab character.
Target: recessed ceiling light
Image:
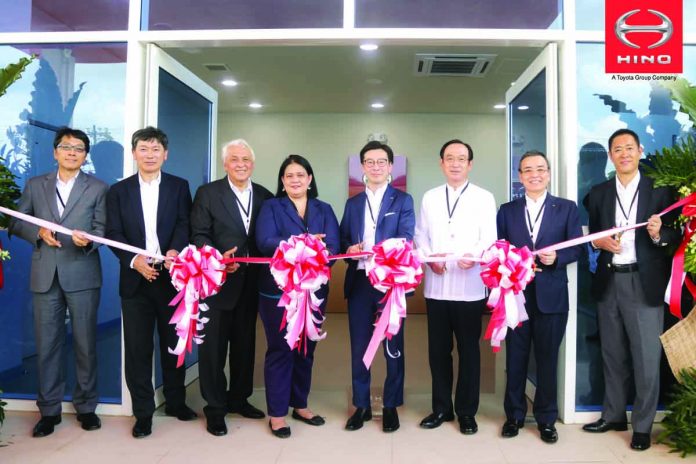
369	47
499	106
377	105
255	105
229	83
523	107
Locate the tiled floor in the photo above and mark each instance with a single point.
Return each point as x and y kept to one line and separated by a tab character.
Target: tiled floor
250	441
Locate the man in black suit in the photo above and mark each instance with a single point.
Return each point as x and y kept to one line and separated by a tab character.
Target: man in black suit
629	285
149	210
224	217
537	220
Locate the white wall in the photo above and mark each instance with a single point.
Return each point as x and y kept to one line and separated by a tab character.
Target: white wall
327	140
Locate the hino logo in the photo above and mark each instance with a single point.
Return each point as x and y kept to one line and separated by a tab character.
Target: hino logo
621	29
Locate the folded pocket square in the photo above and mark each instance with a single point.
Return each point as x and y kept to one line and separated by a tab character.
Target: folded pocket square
389	214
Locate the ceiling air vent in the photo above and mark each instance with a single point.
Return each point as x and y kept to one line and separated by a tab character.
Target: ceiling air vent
216	67
431	64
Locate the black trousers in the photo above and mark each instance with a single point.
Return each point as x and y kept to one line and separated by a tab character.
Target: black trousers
230	332
141	312
463	319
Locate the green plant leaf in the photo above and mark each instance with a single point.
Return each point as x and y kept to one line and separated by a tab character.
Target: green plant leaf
13	71
685	94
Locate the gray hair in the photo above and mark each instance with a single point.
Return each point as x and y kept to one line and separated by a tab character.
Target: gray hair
240	143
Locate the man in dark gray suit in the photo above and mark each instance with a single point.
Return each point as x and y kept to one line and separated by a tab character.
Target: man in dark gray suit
629	285
224	216
65	275
149	210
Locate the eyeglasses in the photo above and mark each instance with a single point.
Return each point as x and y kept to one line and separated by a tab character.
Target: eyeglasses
75	148
379	163
538	171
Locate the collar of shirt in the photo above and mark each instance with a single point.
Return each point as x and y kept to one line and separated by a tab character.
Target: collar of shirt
153	183
629	189
533	206
375	198
238	191
454	192
69	183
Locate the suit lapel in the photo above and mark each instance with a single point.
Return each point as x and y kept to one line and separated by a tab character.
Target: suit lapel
644	187
521	212
547	219
163	199
387	201
49	186
75	194
137	204
291	212
359	223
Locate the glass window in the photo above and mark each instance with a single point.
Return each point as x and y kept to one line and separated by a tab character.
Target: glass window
82	86
605	105
589	15
63	15
241	14
488	14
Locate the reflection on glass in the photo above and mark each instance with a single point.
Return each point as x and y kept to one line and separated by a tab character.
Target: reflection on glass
62	15
589	15
82	86
240	14
527	127
605	105
490	14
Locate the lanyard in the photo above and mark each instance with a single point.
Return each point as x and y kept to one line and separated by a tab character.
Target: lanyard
372	215
623	211
246	210
531	226
450	212
60	198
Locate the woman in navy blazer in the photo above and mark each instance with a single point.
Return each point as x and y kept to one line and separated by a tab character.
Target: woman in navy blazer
295	210
378	213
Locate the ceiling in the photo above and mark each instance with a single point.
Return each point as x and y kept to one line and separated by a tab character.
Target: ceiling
346	79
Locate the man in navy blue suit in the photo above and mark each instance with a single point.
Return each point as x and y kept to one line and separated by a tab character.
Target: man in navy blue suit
149	210
379	213
538	220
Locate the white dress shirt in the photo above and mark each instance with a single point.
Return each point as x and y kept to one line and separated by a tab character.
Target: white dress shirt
149	199
372	207
244	202
471	229
626	197
534	214
63	190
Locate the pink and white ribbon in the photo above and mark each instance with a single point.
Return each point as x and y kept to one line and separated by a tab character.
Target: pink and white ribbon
197	273
299	267
506	271
395	270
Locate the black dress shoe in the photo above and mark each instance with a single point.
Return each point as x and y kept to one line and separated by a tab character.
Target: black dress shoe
436	419
548	433
89	421
45	426
360	415
602	426
640	441
183	413
467	425
390	420
142	427
314	420
283	432
247	410
511	428
216	426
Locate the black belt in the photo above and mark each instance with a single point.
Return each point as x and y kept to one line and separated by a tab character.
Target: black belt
633	267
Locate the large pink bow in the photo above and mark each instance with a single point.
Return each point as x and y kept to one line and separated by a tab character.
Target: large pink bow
196	274
299	267
395	270
506	271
